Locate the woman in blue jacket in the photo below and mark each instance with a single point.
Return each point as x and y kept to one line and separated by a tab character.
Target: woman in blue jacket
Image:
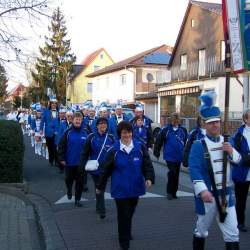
69	151
131	169
95	148
241	173
173	137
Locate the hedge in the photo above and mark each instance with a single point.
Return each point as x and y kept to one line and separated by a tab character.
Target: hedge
11	152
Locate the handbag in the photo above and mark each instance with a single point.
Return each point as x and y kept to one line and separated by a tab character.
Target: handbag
93	165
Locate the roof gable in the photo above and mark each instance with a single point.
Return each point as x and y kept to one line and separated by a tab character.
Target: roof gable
139	59
213	7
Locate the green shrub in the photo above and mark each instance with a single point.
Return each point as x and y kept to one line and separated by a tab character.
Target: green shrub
11	152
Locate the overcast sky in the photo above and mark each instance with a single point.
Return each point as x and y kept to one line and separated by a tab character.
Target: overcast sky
123	28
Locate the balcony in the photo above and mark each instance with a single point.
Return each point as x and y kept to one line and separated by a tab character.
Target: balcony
211	67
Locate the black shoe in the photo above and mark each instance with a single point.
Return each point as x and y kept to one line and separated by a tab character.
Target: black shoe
198	243
232	246
78	204
69	194
85	189
242	228
170	197
124	246
174	196
102	216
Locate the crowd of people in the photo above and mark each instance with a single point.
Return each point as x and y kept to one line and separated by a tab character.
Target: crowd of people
81	142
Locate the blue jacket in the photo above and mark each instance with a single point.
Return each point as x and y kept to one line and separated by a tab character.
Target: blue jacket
71	145
128	171
174	143
34	126
195	134
63	126
93	147
198	170
241	170
50	123
143	135
113	124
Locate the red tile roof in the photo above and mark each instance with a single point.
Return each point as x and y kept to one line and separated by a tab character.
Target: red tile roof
131	61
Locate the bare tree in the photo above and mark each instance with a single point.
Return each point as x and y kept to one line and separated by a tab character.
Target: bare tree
15	15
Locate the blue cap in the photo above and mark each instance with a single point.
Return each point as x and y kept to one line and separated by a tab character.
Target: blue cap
209	112
38	107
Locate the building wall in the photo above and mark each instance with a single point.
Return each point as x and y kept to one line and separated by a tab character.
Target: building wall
207	33
109	87
78	88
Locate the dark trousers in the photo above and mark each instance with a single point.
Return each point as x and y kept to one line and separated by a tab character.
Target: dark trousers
241	193
85	179
71	175
50	142
100	204
125	211
173	177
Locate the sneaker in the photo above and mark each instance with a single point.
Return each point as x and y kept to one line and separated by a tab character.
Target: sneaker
242	228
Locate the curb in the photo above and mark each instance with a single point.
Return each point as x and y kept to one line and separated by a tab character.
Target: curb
52	236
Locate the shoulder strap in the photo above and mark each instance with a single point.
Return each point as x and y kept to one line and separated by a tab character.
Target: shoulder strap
222	215
102	146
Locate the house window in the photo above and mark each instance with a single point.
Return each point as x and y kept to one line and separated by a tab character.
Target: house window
184	62
101	56
96	67
222	50
89	87
123	79
192	23
149	77
202	62
160	76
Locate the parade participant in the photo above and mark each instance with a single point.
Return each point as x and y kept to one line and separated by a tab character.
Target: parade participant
139	112
174	138
95	148
69	151
206	172
130	168
241	173
142	133
115	119
49	122
90	118
103	113
30	121
59	133
196	134
36	127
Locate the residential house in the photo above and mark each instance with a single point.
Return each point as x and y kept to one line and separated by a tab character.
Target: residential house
197	64
18	90
133	79
79	88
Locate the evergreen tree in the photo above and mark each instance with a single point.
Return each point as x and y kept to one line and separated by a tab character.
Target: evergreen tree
3	84
55	64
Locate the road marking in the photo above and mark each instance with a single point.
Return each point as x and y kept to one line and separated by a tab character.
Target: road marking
107	196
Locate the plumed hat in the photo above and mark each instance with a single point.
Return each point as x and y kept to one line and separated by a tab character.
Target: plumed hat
209	112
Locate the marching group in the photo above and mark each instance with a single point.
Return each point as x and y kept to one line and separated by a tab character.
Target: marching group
80	142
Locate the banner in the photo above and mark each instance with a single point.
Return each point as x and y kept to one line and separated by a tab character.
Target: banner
231	14
245	30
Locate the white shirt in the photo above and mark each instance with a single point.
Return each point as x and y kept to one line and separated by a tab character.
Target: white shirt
246	134
127	148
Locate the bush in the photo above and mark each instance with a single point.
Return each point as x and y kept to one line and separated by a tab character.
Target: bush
11	152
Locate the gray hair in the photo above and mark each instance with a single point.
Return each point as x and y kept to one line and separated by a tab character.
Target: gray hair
245	114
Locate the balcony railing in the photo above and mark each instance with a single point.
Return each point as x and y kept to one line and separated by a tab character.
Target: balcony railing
197	70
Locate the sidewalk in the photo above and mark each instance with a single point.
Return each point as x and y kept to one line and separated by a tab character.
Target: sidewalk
18	225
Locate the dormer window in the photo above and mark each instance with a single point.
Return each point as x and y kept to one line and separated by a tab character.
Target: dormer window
101	56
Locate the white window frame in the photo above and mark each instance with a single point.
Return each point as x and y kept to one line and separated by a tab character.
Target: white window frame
202	62
183	62
222	50
123	79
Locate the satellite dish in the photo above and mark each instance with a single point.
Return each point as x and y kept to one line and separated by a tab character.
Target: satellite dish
149	77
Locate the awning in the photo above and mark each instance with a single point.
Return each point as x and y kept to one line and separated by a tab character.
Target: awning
182	91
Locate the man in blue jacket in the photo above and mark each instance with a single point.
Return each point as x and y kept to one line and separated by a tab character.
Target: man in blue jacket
173	137
241	173
49	124
206	172
69	150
